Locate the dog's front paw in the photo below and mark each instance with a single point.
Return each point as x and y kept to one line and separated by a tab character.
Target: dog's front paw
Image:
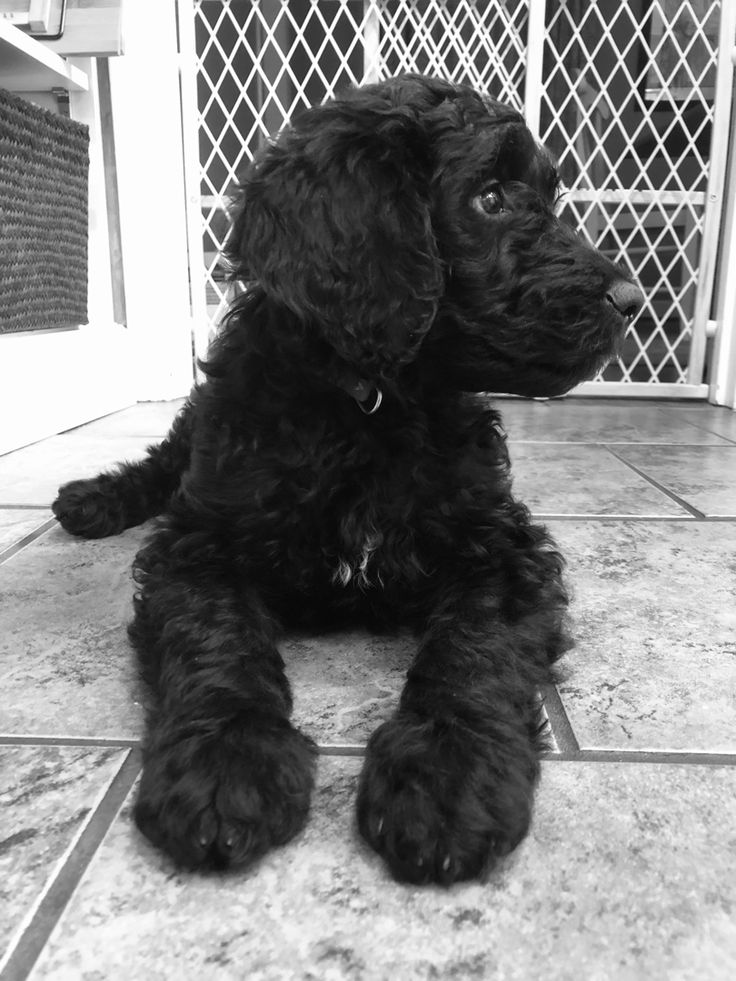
441	802
89	508
221	801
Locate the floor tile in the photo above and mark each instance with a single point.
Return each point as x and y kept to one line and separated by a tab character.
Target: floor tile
592	420
713	418
524	418
655	621
346	684
46	794
704	476
15	524
629	873
582	479
152	419
33	475
67	666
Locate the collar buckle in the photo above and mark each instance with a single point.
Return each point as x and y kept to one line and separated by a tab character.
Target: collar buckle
371	403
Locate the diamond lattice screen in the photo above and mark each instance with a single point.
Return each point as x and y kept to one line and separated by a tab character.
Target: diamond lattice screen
626	106
628	110
259	62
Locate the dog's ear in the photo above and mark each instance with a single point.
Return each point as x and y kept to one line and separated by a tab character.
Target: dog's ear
333	222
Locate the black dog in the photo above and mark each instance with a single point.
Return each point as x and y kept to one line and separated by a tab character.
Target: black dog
400	250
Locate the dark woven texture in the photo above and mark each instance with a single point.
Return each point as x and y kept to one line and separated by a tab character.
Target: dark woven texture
44	162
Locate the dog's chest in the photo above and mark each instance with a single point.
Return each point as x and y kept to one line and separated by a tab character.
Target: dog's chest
357	562
374	543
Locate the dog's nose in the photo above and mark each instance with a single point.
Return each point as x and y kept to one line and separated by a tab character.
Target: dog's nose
625	297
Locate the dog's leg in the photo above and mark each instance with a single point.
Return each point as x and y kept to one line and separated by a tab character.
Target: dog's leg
118	499
448	782
225	774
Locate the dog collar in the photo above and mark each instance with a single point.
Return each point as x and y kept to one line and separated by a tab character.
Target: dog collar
372	403
367	396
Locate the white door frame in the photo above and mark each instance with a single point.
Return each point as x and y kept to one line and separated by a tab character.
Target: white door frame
723	383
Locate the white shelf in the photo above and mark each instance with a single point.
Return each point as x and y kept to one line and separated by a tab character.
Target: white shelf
26	65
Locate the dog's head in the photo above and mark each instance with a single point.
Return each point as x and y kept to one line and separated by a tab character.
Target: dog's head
411	222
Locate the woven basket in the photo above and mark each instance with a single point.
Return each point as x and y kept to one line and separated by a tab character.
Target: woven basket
44	162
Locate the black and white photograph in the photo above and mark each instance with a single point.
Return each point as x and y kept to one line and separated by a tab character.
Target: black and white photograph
368	490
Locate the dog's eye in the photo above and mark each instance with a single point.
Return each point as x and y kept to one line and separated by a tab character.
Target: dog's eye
489	201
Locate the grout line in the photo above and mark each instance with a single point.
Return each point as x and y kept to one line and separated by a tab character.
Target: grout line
124	742
711	432
710	518
25	507
660	757
570	750
21	957
726	444
542	516
603	518
660	487
341	749
559	720
12	550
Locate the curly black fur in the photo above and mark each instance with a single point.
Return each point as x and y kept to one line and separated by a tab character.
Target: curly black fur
400	240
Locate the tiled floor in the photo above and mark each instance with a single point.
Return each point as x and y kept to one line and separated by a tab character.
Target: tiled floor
630	869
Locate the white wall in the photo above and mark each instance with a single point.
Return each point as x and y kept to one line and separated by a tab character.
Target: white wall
146	108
